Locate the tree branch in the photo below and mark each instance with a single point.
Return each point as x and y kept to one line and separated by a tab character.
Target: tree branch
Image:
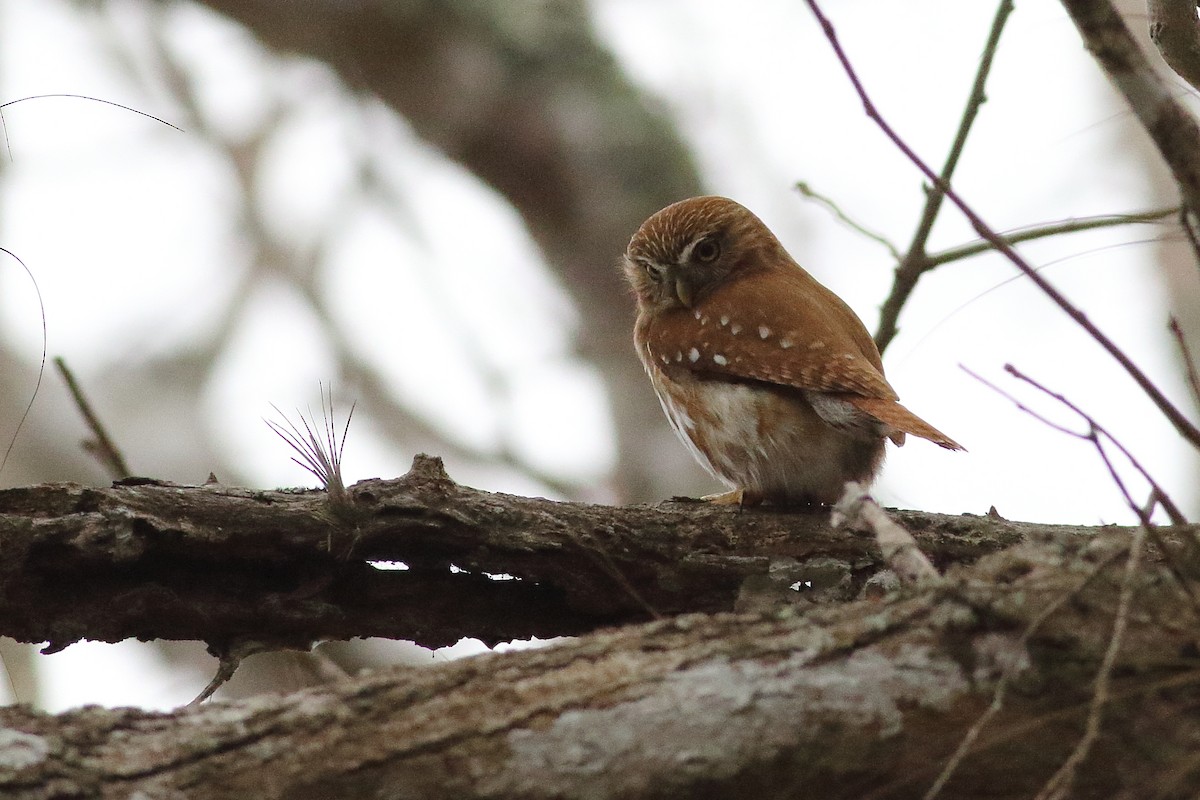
862	700
232	566
1175	31
1170	125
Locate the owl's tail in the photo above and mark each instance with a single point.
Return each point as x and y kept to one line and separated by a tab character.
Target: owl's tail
902	420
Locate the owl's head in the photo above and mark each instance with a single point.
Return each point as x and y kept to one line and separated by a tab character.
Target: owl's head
685	251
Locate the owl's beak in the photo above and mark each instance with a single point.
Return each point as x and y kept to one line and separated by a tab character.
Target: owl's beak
683	290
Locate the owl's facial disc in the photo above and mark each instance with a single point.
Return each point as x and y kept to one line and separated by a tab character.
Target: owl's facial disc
679	275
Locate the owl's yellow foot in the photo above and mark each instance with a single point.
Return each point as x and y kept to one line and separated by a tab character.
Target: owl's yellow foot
737	497
733	498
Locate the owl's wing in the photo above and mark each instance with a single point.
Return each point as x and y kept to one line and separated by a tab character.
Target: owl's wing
774	327
784	328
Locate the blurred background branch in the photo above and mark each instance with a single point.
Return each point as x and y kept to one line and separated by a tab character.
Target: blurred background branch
526	98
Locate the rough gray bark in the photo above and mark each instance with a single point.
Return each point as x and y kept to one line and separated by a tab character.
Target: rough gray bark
858	700
1175	31
229	566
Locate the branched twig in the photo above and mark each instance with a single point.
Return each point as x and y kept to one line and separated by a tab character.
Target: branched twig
102	446
1182	425
1095	434
1158	497
914	263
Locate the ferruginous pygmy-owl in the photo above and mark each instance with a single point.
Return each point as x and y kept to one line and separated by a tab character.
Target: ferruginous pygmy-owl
768	377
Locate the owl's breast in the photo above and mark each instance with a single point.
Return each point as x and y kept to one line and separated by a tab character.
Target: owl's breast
762	438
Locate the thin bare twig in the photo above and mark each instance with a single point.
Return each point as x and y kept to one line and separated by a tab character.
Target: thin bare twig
1060	783
1158	497
4	124
1094	435
325	668
1179	567
1027	234
41	365
1189	363
1036	232
857	509
914	263
1182	425
102	446
228	662
812	194
1187	222
226	666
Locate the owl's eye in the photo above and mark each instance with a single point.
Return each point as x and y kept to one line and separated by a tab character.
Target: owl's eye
655	271
706	250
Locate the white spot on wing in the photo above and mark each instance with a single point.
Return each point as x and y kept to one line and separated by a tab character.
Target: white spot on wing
763	331
735	329
724	320
720	360
693	355
678	356
785	343
697	313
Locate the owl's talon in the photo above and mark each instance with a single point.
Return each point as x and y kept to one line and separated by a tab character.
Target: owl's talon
738	497
733	498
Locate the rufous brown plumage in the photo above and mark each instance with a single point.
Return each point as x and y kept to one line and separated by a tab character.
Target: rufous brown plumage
767	376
